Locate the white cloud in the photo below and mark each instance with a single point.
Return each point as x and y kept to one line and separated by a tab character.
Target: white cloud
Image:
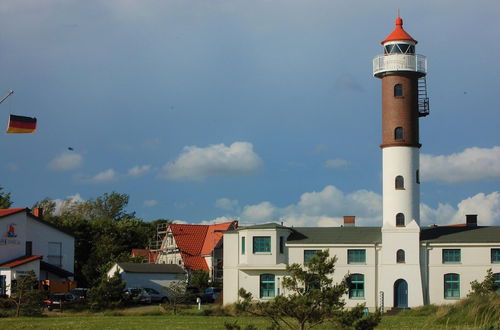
196	163
150	203
487	207
66	161
469	165
323	208
139	170
227	204
336	163
104	176
61	204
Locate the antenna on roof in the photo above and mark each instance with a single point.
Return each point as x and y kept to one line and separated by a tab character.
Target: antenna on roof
398	13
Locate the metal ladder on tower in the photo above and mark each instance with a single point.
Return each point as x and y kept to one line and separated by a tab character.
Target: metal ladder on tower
423	99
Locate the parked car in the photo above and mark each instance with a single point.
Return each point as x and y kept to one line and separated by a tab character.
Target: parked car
58	300
210	294
79	293
146	295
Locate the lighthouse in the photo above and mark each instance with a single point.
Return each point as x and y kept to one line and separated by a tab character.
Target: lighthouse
404	101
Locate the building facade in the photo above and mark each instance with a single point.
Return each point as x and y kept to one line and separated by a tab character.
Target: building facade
399	264
27	242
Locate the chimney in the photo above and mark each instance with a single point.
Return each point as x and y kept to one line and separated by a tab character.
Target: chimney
38	212
471	220
349	220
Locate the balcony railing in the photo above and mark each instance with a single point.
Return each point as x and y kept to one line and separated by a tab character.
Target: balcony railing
399	62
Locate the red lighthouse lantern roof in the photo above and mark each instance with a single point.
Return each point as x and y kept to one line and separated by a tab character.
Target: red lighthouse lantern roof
399	33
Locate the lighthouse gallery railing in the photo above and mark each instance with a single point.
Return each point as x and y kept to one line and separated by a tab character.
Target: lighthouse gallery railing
399	62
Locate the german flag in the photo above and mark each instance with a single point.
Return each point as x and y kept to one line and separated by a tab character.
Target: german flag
21	124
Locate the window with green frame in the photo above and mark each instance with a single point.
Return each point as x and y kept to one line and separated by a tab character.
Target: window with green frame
496	276
262	244
308	254
357	287
451	256
451	286
243	245
357	256
267	286
495	256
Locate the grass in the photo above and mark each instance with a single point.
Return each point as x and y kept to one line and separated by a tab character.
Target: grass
482	313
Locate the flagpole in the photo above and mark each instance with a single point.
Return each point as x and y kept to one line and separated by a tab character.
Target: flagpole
6	96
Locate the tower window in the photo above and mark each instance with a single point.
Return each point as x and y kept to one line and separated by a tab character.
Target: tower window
400	182
400	256
398	90
400	220
398	133
418	176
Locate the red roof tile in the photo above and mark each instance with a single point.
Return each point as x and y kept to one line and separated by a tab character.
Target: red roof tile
398	33
146	253
6	212
194	262
214	235
19	261
189	238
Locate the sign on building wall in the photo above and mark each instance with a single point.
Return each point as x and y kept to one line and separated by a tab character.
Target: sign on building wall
9	235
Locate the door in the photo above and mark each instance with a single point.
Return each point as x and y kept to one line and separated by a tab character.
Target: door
401	294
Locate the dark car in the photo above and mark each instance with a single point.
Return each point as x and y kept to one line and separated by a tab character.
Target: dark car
59	300
79	293
210	294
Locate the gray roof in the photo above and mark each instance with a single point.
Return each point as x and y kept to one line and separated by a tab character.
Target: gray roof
270	225
461	234
335	235
151	268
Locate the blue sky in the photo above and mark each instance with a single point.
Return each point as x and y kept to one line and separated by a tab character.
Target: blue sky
259	110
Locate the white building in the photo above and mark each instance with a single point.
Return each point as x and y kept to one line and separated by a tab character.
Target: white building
146	275
399	264
27	242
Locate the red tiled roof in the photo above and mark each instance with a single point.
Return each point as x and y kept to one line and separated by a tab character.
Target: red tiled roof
6	212
189	238
214	235
194	262
19	261
146	253
398	33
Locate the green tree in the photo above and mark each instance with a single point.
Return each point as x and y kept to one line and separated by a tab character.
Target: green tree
5	201
311	298
199	279
26	296
108	294
486	287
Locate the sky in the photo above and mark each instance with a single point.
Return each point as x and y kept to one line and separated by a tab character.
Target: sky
261	111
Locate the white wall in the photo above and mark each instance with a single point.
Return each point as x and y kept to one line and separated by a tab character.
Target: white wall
41	234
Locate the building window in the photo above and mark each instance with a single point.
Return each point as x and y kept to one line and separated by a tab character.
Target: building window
495	256
400	220
398	133
357	286
262	244
282	244
400	256
452	286
400	182
417	175
55	254
29	248
267	286
3	285
309	254
398	90
356	256
451	256
243	245
496	276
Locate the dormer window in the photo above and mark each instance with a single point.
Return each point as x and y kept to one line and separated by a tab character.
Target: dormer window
399	48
